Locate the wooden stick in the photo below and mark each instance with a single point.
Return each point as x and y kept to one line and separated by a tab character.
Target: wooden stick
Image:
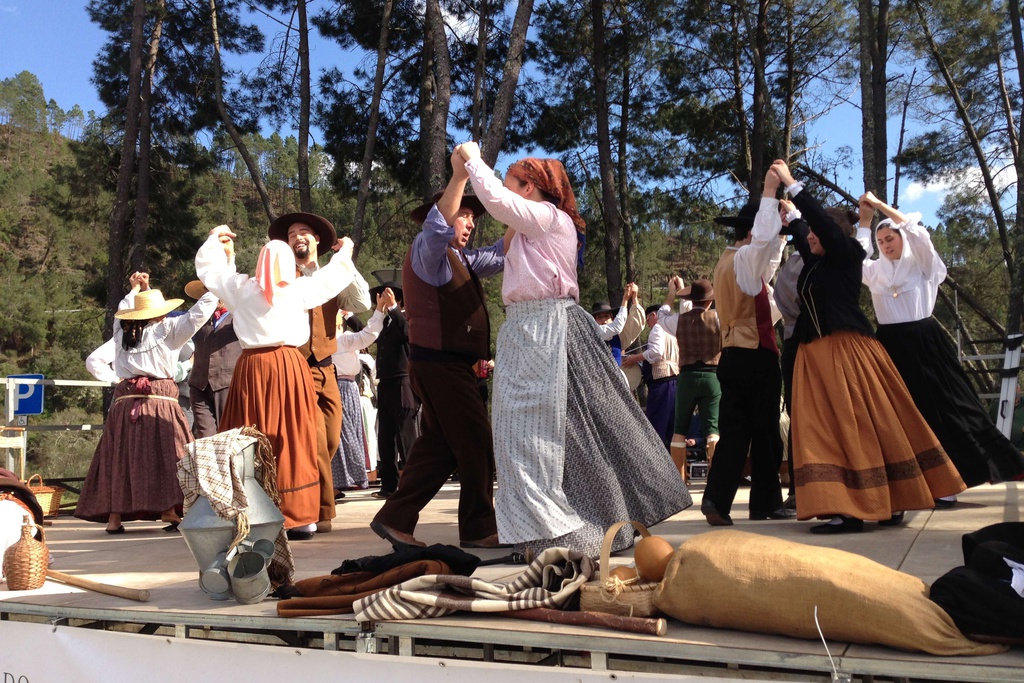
119	591
644	625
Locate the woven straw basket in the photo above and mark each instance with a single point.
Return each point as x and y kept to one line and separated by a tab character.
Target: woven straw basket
634	598
48	496
25	562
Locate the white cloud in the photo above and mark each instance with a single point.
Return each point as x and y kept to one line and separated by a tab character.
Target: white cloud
917	190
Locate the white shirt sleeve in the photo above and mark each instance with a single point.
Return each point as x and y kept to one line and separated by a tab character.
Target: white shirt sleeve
925	255
353	341
655	344
100	362
609	330
756	263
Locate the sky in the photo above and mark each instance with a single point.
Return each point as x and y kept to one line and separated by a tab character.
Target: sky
55	40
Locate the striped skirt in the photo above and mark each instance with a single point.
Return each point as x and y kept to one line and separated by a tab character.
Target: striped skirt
574	451
134	469
350	462
272	389
860	446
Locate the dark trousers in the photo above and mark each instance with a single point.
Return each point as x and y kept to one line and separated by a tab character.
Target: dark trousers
455	433
207	406
661	408
392	419
328	434
748	422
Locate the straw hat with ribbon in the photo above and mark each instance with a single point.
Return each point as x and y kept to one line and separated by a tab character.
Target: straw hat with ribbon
149	304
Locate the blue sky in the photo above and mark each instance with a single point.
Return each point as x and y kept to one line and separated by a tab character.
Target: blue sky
55	40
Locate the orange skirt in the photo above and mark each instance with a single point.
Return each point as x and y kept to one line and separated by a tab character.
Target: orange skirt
272	389
860	446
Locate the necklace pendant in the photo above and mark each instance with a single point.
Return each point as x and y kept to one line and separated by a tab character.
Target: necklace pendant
895	294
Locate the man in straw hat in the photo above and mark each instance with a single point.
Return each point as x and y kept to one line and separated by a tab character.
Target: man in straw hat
133	474
213	361
449	331
698	334
310	236
748	370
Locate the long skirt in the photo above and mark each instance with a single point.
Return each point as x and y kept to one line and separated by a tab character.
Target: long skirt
272	389
574	451
926	359
134	469
350	461
860	446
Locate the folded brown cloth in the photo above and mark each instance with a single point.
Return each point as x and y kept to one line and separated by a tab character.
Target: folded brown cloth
334	594
9	483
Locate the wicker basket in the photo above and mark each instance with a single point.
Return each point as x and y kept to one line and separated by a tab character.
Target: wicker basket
48	496
633	598
26	561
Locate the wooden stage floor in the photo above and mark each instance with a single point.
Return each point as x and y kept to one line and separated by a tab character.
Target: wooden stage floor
927	546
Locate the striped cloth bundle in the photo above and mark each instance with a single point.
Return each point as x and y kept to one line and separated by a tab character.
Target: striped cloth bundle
552	580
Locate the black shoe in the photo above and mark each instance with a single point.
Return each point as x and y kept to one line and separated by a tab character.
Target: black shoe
114	532
381	494
850	525
895	520
713	516
339	495
780	514
395	538
172	527
790	502
296	535
941	504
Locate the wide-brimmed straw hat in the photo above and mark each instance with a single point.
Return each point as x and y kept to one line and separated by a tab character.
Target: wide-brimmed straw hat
469	201
149	304
699	290
195	289
325	232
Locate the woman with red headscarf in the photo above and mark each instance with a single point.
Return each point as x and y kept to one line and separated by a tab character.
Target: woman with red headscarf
271	386
574	452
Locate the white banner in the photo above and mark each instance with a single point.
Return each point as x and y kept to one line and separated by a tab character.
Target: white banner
38	653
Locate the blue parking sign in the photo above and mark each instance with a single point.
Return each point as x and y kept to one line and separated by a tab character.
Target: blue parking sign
28	398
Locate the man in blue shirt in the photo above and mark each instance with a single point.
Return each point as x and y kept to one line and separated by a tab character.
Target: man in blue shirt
449	331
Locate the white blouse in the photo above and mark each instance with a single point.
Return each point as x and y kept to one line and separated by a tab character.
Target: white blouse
259	324
346	359
157	353
905	290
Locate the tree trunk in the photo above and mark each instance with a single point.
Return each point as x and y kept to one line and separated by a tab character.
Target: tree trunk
435	144
305	199
502	108
760	102
1016	307
623	174
899	146
874	44
612	219
138	253
479	110
122	197
229	126
979	155
739	108
366	170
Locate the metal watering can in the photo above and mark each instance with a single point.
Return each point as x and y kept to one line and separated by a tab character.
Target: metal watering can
243	571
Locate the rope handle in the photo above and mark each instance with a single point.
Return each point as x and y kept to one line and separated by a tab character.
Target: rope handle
606	546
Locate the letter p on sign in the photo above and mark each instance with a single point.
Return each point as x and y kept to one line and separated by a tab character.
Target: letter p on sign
28	398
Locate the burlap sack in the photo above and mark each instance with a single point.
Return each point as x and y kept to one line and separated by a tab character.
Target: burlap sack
738	580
